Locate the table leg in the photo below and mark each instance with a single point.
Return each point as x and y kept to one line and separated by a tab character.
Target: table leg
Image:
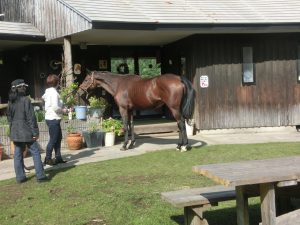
242	206
268	208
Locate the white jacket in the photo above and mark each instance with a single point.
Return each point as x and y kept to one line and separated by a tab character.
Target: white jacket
53	104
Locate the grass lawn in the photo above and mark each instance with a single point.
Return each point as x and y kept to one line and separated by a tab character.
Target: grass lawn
127	190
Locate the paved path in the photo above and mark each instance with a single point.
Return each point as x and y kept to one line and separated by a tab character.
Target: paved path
148	144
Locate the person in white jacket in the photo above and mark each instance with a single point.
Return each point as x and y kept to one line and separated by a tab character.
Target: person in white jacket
53	114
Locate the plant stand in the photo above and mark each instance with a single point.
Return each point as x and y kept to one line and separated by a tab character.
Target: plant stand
110	138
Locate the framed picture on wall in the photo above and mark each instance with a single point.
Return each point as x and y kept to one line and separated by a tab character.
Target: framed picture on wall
102	64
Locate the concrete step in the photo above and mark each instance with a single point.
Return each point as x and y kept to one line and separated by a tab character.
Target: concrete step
167	127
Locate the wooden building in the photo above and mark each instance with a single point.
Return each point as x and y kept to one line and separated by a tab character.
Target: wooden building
243	56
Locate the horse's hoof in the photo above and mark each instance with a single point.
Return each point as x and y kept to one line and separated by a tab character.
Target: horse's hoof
185	148
178	147
131	147
123	148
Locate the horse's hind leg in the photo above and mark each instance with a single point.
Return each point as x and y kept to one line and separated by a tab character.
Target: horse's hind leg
183	140
131	127
124	115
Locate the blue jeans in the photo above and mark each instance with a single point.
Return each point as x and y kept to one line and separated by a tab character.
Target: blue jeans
19	160
55	139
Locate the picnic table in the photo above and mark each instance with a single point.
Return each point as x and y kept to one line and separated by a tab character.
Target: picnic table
268	174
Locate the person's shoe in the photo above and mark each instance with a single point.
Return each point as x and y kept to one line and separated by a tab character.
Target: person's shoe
49	162
44	179
59	160
22	181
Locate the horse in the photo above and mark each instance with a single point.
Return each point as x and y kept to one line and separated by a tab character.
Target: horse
132	92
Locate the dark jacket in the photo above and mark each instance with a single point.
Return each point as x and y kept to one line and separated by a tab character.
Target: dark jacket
22	120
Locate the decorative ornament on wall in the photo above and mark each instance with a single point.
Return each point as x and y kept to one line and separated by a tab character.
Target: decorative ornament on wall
123	68
54	64
77	68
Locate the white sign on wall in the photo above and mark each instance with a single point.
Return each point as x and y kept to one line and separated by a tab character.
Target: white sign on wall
204	81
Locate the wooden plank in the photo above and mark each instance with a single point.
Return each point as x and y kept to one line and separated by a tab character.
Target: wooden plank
252	172
287	183
199	196
291	218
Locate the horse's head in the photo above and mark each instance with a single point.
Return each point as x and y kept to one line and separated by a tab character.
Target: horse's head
88	84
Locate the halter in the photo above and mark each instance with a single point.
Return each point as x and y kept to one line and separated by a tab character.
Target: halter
92	83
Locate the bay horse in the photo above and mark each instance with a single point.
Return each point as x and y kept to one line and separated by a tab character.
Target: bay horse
132	92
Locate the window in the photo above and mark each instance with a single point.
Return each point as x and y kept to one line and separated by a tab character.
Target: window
248	72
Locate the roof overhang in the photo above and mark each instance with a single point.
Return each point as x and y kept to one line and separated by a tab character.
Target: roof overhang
13	35
139	34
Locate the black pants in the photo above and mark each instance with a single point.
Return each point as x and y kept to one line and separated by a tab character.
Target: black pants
55	139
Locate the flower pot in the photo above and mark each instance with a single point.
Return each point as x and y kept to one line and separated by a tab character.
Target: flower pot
110	138
74	141
93	139
96	113
80	112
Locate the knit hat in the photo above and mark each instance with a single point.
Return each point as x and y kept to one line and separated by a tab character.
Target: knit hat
18	83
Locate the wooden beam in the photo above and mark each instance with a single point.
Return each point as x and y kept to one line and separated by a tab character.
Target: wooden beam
67	66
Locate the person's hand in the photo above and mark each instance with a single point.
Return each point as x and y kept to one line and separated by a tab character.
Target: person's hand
35	138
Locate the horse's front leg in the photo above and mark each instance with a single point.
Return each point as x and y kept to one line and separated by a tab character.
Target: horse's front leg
124	115
132	143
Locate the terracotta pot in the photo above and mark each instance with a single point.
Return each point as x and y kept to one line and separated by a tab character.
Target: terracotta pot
74	141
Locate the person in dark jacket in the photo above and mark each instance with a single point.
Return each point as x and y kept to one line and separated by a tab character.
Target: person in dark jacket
23	130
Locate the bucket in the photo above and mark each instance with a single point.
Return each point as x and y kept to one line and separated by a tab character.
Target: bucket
80	112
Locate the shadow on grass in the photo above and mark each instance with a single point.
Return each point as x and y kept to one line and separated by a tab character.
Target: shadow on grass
140	140
226	216
72	159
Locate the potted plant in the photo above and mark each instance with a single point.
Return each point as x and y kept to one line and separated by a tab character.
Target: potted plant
97	106
93	136
71	100
73	138
111	127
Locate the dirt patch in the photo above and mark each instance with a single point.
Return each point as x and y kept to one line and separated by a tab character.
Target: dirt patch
139	202
10	194
96	221
138	179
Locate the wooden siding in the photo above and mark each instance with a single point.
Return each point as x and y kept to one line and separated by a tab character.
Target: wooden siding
273	101
54	18
57	19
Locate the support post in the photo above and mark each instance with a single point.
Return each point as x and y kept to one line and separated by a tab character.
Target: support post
242	206
268	208
68	69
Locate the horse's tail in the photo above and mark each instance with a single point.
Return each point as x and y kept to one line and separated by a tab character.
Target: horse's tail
188	99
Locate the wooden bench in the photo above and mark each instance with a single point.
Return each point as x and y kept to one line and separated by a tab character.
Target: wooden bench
291	218
196	200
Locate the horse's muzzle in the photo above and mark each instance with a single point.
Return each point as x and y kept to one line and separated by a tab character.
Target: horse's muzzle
81	92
